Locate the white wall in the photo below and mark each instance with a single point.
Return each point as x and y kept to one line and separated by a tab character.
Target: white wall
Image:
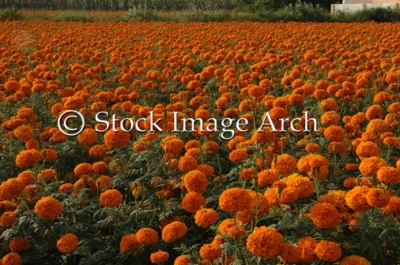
359	6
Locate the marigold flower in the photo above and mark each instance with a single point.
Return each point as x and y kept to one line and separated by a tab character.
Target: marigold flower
265	242
97	150
173	146
289	195
210	251
267	177
24	132
285	164
28	158
193	201
187	163
159	257
234	200
312	148
369	166
19	244
328	251
367	149
83	169
49	154
304	185
325	215
128	243
238	155
12	259
290	253
334	133
356	198
48	208
11	189
393	206
111	198
224	226
388	175
88	136
116	139
205	217
174	231
354	260
147	236
8	218
307	246
336	198
377	198
330	118
182	260
195	181
67	243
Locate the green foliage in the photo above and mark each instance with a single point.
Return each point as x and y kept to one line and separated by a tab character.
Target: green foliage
141	13
75	16
11	13
301	12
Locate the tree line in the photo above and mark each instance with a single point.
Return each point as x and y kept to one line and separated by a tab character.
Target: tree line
161	5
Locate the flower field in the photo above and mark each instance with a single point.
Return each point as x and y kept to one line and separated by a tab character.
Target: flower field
199	143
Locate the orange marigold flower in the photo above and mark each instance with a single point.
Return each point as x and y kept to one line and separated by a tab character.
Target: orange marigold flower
367	149
48	208
248	174
19	244
393	206
328	104
290	253
267	177
336	198
234	200
356	198
388	175
66	188
11	189
128	243
159	257
210	251
304	185
369	166
111	198
195	181
67	243
174	231
285	164
26	177
330	118
354	260
12	259
377	198
307	246
173	146
238	155
265	242
116	139
187	163
206	169
88	136
193	201
49	154
334	133
147	236
47	175
104	182
205	217
8	218
28	158
337	148
312	148
182	260
328	251
289	195
325	215
83	169
97	150
24	132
